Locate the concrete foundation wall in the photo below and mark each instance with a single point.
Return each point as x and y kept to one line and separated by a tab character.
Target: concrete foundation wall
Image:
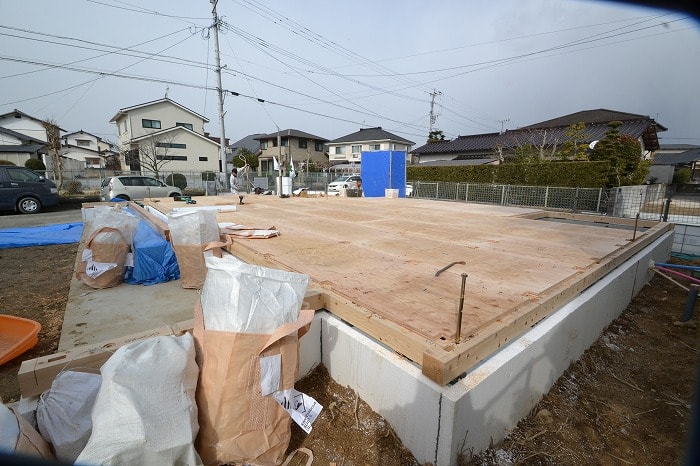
437	422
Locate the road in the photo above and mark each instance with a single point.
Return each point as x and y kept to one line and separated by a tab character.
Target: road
59	214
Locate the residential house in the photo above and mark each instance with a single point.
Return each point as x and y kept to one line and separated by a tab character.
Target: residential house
165	131
18	148
346	151
672	157
290	144
549	134
249	142
26	130
82	150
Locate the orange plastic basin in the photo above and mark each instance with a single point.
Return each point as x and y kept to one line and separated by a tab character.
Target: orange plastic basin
17	335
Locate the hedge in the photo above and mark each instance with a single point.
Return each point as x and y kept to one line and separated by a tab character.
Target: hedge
566	174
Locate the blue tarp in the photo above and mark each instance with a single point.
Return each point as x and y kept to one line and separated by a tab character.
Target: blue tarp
59	233
382	170
154	258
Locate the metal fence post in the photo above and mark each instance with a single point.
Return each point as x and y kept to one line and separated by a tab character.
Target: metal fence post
575	203
466	192
600	195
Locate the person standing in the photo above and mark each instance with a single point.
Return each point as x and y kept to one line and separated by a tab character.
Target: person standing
233	181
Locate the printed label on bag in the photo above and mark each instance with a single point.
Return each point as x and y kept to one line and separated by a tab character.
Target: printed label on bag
95	269
303	408
270	373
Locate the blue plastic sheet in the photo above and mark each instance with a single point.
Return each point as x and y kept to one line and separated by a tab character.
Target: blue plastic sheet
59	233
154	258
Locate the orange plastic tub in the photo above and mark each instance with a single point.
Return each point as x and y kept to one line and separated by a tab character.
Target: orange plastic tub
17	335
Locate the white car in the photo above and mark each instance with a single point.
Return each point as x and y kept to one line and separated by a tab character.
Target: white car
130	187
344	181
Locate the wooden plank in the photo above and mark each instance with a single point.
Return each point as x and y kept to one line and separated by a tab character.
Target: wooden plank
157	224
443	366
36	375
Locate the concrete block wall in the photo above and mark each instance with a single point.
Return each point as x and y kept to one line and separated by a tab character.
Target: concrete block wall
437	422
687	239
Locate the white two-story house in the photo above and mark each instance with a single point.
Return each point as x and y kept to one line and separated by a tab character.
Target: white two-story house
84	150
348	149
169	132
24	137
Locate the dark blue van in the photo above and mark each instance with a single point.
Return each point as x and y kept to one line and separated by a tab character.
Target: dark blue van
25	191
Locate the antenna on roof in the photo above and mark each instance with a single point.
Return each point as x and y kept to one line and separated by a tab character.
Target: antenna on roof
167	88
502	124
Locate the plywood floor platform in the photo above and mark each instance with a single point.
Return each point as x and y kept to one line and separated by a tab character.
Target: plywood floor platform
374	262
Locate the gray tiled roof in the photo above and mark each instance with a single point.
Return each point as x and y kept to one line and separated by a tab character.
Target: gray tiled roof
600	115
688	156
21	148
487	143
372	134
290	133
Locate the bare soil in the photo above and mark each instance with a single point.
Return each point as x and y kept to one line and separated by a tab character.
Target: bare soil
626	401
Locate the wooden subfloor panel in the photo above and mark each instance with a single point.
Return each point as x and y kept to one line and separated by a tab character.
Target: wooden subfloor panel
377	258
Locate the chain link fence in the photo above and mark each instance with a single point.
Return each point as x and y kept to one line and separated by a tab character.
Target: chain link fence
651	202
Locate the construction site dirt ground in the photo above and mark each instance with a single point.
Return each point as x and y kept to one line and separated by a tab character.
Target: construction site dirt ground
626	401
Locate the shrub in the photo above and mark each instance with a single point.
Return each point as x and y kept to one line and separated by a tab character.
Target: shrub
35	164
74	187
682	176
177	179
6	162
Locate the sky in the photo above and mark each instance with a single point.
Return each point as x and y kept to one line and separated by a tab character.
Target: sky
329	68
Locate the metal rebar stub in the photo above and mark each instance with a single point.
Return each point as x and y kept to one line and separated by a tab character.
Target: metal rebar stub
458	334
448	266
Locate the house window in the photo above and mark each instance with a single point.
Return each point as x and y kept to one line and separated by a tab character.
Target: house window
150	123
375	147
171	145
182	158
263	145
83	142
204	159
339	150
285	142
318	147
302	144
91	162
184	125
357	149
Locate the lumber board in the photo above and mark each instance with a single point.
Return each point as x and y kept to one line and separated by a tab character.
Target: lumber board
36	375
444	366
374	261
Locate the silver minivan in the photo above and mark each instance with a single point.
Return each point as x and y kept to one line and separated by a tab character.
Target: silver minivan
132	187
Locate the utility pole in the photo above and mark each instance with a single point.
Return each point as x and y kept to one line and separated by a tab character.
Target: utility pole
220	91
433	117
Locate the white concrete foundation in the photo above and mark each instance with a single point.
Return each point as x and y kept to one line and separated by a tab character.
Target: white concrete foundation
436	422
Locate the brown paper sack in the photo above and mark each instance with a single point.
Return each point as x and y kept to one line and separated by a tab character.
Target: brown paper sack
30	442
107	252
190	260
237	423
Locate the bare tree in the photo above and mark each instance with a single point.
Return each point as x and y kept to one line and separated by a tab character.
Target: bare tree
154	152
533	146
53	144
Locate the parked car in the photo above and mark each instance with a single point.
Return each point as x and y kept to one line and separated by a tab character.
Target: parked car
24	190
344	181
132	187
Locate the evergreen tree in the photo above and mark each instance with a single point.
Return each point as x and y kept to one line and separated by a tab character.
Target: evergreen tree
624	153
